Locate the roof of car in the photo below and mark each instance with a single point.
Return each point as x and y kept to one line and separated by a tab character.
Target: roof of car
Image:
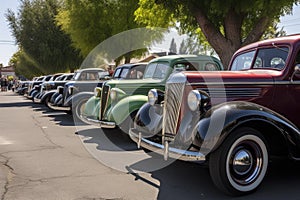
90	69
183	57
290	39
132	64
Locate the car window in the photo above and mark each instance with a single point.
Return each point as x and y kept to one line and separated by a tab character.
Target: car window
243	61
117	73
101	75
157	70
124	73
274	58
201	65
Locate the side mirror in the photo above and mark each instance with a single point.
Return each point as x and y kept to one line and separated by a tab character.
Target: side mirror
296	72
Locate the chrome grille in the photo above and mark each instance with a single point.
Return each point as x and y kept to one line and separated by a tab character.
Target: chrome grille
103	100
172	104
65	93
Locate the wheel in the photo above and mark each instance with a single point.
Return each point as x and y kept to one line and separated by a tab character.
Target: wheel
47	101
239	165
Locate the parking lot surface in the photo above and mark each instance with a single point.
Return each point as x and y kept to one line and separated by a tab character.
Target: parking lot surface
45	155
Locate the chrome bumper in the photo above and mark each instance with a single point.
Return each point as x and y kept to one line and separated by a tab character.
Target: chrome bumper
164	149
101	124
37	100
59	108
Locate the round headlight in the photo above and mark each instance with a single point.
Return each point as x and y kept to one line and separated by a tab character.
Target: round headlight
152	96
97	91
193	100
113	94
70	90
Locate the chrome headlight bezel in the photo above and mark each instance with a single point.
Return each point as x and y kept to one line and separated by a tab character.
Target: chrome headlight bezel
60	89
152	97
71	90
194	100
116	94
113	94
97	92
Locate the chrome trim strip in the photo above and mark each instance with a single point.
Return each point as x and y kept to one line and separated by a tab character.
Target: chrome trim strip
232	92
246	83
101	124
172	152
60	108
37	100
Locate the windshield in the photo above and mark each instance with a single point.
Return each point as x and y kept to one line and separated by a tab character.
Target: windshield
157	70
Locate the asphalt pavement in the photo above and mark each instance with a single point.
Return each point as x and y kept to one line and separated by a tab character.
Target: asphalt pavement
44	154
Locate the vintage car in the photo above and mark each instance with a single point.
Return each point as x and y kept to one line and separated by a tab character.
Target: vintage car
34	86
234	121
126	71
21	87
48	88
83	80
119	100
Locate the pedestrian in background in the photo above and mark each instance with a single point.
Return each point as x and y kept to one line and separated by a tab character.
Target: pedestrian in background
4	83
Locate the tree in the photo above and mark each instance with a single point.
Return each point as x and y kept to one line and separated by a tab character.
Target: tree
226	25
173	46
43	43
24	65
90	22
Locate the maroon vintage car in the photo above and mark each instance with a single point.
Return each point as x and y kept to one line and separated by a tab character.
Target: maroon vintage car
235	121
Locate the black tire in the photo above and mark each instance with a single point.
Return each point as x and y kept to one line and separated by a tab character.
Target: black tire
47	101
239	165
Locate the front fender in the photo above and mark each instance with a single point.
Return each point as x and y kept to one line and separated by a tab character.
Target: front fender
47	94
92	108
76	97
218	123
123	108
148	120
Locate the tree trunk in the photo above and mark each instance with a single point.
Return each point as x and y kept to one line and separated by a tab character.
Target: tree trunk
226	46
216	39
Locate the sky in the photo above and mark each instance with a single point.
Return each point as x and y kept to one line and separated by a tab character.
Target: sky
291	24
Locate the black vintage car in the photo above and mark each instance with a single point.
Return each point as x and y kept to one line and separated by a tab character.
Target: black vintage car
83	80
34	86
48	88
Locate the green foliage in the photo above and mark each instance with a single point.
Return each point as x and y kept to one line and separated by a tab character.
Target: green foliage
225	24
90	22
47	47
24	65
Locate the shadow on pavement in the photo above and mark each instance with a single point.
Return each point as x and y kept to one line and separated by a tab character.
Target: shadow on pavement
108	139
186	180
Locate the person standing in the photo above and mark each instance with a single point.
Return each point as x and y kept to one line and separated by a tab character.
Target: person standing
3	83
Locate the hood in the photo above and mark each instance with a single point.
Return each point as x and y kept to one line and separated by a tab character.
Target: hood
230	77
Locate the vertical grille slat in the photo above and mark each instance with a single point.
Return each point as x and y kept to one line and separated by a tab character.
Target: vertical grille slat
65	93
104	99
172	104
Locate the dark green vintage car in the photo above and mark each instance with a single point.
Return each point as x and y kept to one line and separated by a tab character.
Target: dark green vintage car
117	102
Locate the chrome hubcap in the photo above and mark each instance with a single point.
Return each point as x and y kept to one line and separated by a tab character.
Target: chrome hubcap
246	162
242	162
